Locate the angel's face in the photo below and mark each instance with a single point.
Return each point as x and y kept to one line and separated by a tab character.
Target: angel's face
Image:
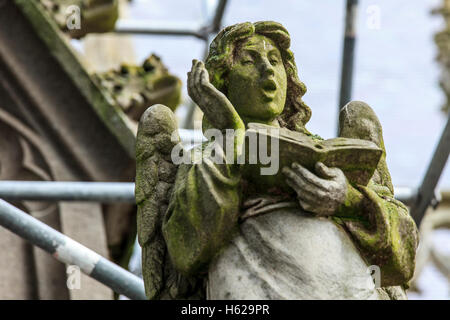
257	80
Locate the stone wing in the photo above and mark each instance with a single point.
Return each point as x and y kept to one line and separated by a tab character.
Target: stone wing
155	176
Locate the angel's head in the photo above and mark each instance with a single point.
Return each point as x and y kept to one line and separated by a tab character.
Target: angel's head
252	65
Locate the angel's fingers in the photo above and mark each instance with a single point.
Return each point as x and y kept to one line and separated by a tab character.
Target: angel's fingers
201	65
197	78
326	172
211	92
191	84
306	206
214	97
305	189
196	64
196	94
290	174
291	183
204	78
208	89
251	202
301	184
308	175
310	197
191	87
294	177
194	69
204	88
306	195
204	81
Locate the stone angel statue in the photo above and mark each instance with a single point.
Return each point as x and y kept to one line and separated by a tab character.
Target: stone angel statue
210	231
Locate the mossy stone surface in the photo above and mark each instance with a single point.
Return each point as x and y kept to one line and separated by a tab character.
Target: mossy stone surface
99	98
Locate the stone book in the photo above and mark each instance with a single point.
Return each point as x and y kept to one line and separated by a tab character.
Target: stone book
357	158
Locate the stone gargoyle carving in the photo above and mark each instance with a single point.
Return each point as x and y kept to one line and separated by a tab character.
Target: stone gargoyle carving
135	88
77	18
213	229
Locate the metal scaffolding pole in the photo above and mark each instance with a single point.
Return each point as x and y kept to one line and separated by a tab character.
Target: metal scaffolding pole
218	16
348	54
169	28
214	24
163	28
68	191
426	192
99	191
70	252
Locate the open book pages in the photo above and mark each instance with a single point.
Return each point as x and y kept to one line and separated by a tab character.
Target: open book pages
279	147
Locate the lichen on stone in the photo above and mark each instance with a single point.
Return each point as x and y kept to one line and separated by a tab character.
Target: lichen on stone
96	16
135	88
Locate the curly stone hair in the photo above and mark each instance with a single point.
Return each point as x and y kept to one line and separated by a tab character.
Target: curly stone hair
221	58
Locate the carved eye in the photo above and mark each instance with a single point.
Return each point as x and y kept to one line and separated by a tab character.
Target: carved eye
247	62
274	62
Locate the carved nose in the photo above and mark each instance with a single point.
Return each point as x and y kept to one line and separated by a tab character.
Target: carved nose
267	68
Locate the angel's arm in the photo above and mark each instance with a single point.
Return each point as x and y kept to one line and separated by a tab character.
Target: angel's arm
380	225
217	109
202	214
204	207
383	230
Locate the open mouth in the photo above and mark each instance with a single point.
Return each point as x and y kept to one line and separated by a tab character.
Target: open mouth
269	88
269	85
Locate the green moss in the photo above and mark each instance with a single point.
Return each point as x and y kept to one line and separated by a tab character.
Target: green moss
135	88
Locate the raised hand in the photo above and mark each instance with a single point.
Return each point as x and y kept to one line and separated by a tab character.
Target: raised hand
215	105
321	194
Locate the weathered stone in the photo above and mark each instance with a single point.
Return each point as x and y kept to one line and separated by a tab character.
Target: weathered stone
290	254
56	124
94	16
135	88
251	239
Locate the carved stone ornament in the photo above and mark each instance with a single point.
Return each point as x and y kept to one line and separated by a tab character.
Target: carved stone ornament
324	225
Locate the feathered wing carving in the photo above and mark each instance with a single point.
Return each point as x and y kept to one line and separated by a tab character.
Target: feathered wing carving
155	176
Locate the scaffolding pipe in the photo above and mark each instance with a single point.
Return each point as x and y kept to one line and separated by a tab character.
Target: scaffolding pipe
213	26
105	192
348	54
128	26
217	20
426	192
70	252
101	191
